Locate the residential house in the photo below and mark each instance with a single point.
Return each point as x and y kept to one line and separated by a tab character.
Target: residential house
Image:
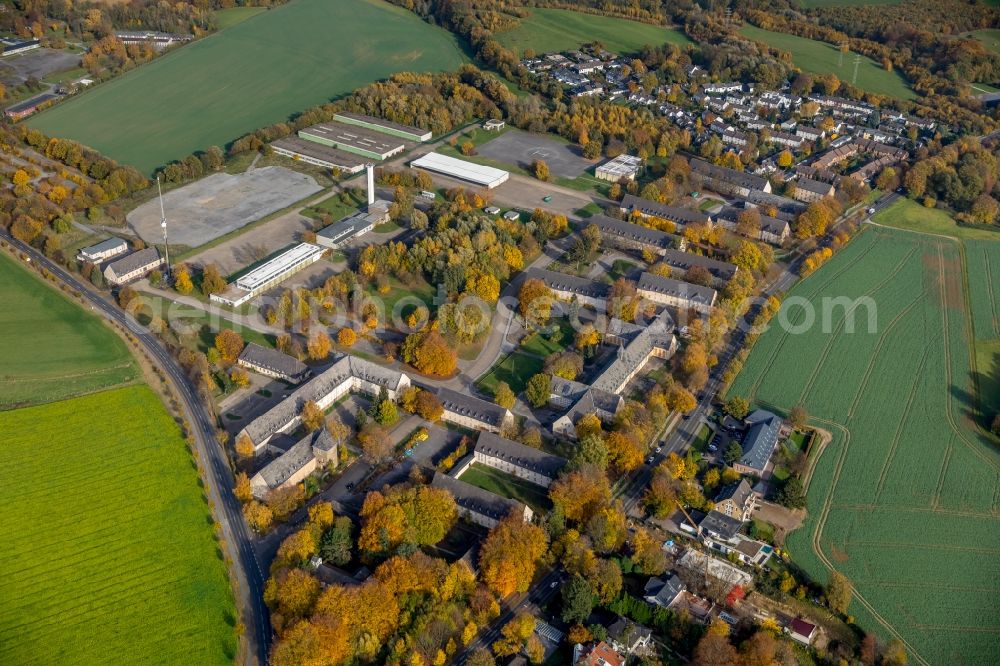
480	506
772	230
811	134
707	565
347	374
759	442
736	500
630	236
675	293
315	450
517	459
570	287
597	654
132	267
469	411
801	631
809	190
629	638
728	181
793	141
273	363
663	592
633	205
683	261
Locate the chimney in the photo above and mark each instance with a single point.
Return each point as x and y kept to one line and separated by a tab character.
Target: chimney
370	168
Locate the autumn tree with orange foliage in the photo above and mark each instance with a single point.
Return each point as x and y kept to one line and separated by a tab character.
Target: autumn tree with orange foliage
581	493
510	554
229	343
410	516
430	353
346	337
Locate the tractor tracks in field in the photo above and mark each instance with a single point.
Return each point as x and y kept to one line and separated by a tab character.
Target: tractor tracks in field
835	334
819	288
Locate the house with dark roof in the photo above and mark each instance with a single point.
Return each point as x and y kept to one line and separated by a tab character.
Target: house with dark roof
469	411
737	500
663	592
759	441
772	229
514	458
571	287
801	631
132	267
728	181
683	261
628	637
674	293
315	450
809	190
273	363
626	235
480	506
347	374
633	205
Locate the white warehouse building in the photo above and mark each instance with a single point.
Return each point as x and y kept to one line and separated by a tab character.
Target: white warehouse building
269	274
477	174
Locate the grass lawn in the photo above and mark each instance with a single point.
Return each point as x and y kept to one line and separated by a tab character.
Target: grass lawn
908	214
304	53
227	18
108	545
50	348
421	290
822	58
589	210
546	30
620	268
335	207
507	485
700	442
989	37
195	326
542	345
906	491
515	369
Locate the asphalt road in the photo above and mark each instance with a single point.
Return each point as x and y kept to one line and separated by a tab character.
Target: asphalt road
220	478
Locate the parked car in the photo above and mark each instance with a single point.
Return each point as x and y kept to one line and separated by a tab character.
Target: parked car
658	449
649	460
713	448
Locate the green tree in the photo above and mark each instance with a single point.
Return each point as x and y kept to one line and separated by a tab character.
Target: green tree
733	453
792	494
590	451
737	407
577	600
336	543
538	390
503	396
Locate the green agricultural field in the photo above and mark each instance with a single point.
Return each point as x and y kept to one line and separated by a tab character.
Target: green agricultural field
904	499
909	215
507	485
252	74
547	30
515	369
822	58
983	261
108	548
988	367
227	18
50	348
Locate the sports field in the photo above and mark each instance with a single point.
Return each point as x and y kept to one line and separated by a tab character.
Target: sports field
905	500
108	548
51	348
547	30
908	214
253	74
822	58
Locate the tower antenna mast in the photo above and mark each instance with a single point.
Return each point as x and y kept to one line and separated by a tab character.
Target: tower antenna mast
163	225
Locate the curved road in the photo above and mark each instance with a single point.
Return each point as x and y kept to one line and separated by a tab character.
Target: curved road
220	478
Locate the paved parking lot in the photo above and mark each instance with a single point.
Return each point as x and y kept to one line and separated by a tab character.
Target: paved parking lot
523	148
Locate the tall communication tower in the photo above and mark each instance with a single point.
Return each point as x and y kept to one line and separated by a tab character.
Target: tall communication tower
163	225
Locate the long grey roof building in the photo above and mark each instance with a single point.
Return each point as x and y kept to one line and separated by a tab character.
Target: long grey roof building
482	506
273	363
759	441
519	455
680	216
720	270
